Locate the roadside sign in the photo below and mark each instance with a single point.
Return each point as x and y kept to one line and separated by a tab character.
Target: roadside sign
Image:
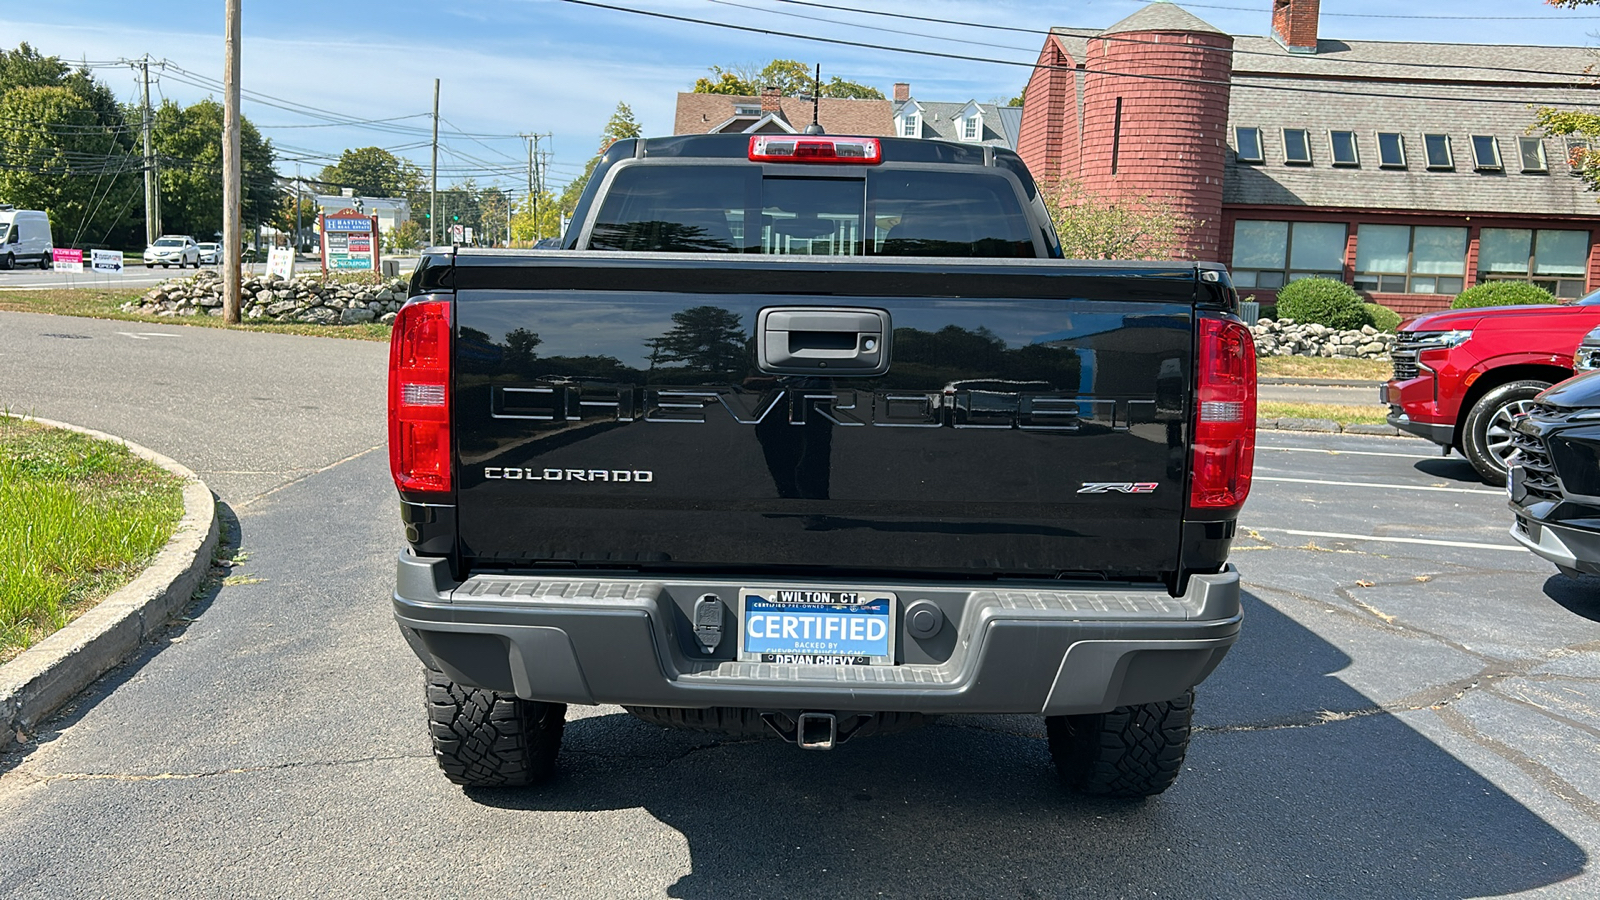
457	234
469	234
349	241
66	260
106	261
280	262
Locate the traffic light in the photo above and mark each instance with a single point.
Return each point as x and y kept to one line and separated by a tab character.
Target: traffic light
427	215
455	218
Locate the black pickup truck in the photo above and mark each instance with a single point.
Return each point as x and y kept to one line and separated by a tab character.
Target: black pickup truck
817	437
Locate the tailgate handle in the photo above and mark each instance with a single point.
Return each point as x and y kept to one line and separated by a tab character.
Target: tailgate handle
823	340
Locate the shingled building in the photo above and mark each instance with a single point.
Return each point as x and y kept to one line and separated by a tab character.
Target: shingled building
1408	170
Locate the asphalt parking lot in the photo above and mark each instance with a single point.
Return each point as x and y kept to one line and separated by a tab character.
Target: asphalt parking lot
1412	710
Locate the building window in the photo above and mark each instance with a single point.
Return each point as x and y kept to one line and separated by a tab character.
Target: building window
1344	148
908	126
1248	140
1400	259
1533	154
1271	254
970	131
1554	260
1437	146
1391	150
1296	146
750	110
1486	153
1577	155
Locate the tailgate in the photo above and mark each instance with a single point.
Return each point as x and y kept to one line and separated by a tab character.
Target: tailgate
1033	420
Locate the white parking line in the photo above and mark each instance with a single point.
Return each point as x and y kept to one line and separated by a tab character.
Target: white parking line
1346	452
1470	545
1387	487
146	335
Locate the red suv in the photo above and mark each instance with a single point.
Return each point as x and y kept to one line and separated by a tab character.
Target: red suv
1461	377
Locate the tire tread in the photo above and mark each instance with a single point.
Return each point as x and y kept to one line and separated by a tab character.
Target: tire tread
1129	752
486	738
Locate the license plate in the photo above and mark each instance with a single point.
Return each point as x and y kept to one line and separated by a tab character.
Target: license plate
814	627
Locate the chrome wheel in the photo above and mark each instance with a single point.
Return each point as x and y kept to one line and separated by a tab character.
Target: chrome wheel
1497	437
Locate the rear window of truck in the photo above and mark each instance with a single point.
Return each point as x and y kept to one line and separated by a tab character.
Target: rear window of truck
734	209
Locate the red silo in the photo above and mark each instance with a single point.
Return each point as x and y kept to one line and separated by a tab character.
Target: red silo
1155	116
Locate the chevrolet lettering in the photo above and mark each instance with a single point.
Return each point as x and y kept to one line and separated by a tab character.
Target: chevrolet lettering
912	462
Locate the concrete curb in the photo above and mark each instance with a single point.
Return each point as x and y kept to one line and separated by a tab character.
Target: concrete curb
1317	382
45	676
1328	426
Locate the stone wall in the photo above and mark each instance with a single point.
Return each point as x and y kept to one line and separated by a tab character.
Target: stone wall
268	298
1286	337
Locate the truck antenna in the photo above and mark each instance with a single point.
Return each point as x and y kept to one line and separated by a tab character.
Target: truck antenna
816	104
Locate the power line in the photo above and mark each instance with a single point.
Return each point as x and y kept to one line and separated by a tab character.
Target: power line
1256	9
1128	39
1174	79
935	37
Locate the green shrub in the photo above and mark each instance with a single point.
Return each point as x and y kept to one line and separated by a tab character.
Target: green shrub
1322	301
1502	293
1382	317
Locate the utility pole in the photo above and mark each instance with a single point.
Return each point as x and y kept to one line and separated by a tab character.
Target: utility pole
298	185
232	182
535	180
152	186
433	191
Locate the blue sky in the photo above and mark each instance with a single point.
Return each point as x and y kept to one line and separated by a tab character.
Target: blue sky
514	66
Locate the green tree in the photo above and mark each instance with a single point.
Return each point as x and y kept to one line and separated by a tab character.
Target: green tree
282	216
704	338
492	211
408	235
526	229
621	125
1091	227
188	140
373	172
791	77
67	147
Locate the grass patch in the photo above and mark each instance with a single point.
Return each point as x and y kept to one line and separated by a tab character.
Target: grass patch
79	518
1374	370
1338	412
103	303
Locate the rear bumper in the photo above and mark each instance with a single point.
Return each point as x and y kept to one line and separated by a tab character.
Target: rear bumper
1010	648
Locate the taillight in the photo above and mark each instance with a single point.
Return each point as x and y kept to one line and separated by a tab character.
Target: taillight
419	397
1225	416
795	148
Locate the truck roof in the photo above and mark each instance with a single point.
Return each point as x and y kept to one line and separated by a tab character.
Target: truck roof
895	149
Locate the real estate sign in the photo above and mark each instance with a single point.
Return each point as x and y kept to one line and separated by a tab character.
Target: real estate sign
106	260
349	241
66	260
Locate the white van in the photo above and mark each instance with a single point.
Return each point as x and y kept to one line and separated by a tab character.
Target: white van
24	237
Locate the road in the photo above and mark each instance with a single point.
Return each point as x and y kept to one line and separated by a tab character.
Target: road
1412	711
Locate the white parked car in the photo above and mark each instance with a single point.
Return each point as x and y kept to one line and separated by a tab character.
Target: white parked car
210	254
172	249
24	237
